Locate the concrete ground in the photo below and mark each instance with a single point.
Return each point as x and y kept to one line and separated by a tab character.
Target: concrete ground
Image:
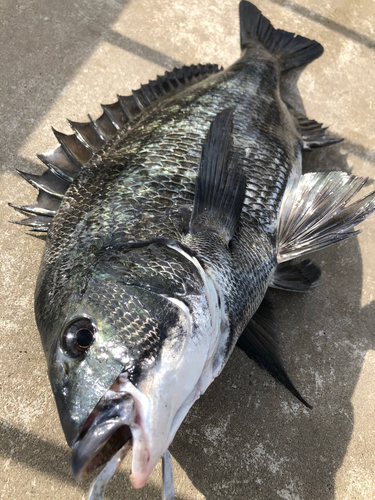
247	438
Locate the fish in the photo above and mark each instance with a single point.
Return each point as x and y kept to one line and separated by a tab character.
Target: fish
167	220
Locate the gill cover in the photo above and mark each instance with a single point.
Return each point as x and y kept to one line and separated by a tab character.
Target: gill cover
126	298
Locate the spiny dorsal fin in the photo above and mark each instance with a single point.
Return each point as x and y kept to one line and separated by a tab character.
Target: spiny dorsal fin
296	277
259	341
74	148
47	182
60	164
313	133
36	222
87	134
77	149
45	204
221	184
315	213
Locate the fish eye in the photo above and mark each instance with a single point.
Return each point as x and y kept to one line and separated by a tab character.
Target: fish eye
78	337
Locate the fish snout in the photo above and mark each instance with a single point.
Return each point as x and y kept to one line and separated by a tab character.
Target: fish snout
106	430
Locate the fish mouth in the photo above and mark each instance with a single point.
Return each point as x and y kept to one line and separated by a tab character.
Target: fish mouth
105	432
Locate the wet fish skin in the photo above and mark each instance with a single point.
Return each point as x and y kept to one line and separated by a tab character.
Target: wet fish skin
141	186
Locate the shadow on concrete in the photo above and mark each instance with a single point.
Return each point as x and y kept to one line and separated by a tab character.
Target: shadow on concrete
327	23
141	50
66	34
54	460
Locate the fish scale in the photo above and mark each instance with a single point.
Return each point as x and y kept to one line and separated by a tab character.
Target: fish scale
121	208
123	198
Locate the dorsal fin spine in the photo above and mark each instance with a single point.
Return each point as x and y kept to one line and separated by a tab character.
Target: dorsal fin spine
77	149
30	209
35	182
138	98
87	134
147	92
73	155
109	115
56	170
106	125
124	108
98	129
155	89
129	106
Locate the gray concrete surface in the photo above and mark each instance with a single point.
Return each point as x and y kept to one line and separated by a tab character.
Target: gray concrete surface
247	438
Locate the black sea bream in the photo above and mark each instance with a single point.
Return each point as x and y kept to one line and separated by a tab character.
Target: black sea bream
168	218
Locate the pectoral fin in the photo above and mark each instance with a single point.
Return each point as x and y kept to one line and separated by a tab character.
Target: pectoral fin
221	183
259	341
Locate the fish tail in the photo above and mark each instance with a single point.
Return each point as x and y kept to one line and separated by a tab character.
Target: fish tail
290	49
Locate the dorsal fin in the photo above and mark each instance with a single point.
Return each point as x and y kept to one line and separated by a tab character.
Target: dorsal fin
77	149
45	204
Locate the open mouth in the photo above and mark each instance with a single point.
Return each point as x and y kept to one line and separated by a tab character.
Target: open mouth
104	433
120	421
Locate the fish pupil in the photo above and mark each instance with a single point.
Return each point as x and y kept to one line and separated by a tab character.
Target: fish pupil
84	338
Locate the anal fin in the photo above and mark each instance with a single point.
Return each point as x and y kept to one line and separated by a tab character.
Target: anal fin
313	133
296	277
259	341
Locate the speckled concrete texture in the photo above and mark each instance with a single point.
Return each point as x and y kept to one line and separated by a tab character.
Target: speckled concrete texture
246	438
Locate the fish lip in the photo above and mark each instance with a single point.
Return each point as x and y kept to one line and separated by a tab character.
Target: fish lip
93	447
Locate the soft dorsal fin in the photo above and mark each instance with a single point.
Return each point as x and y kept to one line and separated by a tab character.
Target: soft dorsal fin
313	133
221	184
77	149
259	341
315	213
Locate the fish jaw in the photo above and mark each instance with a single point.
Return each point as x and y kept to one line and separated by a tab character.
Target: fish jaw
71	392
109	429
115	423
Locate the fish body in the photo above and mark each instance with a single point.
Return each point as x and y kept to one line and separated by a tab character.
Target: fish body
166	240
140	190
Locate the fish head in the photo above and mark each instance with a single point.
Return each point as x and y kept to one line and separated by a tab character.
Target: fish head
129	344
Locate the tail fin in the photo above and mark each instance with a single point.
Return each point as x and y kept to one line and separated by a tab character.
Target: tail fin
291	50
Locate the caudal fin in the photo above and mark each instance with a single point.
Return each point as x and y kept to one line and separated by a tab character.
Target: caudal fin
291	50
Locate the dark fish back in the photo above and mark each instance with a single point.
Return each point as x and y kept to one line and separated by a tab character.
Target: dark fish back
142	184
